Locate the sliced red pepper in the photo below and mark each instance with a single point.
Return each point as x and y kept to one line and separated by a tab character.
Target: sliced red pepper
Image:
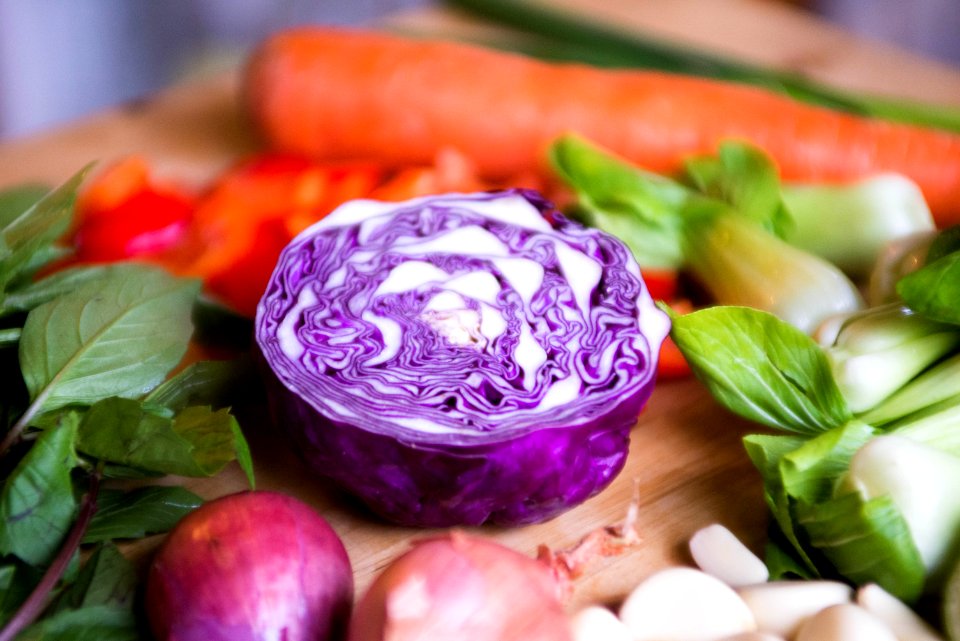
672	363
125	214
661	283
253	211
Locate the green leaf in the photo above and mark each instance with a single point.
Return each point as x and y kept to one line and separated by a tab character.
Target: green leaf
95	623
138	513
810	472
107	579
116	336
195	442
867	542
217	439
934	289
46	289
761	368
946	242
10	336
37	505
642	209
17	580
213	383
30	234
746	178
782	563
16	200
767	452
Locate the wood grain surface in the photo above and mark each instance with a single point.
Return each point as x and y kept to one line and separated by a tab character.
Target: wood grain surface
687	464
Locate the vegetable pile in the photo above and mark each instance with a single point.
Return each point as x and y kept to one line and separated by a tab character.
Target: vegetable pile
479	357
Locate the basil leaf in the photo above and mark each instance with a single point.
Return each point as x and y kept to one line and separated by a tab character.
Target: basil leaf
934	290
16	200
211	383
866	541
138	513
195	442
116	336
10	336
46	289
107	578
747	179
761	368
37	505
17	580
28	234
95	623
217	437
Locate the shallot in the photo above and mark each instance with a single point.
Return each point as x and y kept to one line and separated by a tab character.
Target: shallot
459	586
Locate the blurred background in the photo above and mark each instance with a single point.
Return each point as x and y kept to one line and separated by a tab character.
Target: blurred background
61	59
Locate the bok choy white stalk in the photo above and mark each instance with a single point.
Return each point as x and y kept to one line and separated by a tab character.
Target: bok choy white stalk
724	230
850	224
878	350
860	487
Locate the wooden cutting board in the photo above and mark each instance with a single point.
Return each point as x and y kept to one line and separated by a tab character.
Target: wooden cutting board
687	467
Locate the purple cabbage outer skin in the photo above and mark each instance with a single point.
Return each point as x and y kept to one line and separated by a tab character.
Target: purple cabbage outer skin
494	453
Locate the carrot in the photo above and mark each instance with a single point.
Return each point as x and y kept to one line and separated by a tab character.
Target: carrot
339	94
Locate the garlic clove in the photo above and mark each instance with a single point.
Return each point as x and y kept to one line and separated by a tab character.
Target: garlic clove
717	551
596	623
844	622
906	624
684	604
779	607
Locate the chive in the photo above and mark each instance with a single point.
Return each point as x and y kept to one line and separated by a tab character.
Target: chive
562	36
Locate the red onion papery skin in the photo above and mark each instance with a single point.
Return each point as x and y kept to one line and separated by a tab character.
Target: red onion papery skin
461	587
251	566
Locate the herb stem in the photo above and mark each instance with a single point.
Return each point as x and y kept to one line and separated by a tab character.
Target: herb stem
32	608
12	436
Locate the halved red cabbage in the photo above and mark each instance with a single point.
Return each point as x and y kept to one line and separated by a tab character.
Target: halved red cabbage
459	359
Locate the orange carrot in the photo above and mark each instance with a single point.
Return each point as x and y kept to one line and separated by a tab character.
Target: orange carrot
339	94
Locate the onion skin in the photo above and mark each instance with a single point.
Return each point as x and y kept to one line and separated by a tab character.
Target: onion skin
458	586
250	566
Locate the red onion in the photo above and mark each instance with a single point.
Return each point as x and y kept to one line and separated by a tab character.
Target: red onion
458	586
248	567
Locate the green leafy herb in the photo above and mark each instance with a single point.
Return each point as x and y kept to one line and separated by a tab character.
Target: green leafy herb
138	513
92	342
37	505
88	394
106	579
33	233
95	623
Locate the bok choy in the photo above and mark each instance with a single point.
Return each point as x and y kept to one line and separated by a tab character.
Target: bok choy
725	229
861	488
